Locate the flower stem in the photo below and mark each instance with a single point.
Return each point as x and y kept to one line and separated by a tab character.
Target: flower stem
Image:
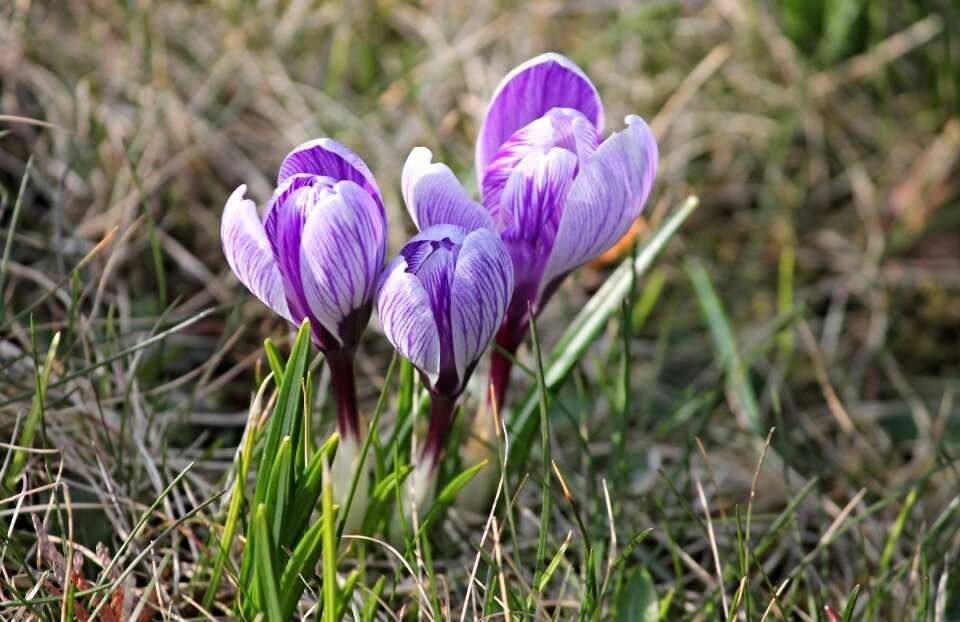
441	417
509	338
344	384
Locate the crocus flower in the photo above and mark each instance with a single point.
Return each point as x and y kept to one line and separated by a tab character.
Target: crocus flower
440	303
316	254
556	192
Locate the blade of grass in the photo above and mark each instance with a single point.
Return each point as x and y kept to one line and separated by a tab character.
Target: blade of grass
267	568
744	401
329	538
545	434
35	414
11	231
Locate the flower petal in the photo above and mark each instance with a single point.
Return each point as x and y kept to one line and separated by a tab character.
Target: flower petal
527	93
434	195
341	254
560	127
604	200
407	318
481	292
326	157
248	252
533	198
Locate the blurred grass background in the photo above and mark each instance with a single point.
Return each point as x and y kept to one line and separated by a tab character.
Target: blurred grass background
822	137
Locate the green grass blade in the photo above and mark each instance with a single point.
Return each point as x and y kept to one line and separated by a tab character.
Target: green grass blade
304	558
283	422
11	230
36	412
737	380
278	495
851	605
329	538
545	437
267	572
275	360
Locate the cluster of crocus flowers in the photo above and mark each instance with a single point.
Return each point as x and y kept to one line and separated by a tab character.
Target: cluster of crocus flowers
554	195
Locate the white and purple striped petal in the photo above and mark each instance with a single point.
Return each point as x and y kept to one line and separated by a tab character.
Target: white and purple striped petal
407	318
326	157
441	300
342	251
434	196
249	254
604	200
533	199
527	93
560	127
481	293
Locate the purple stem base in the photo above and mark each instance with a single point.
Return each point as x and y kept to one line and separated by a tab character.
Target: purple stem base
344	385
441	419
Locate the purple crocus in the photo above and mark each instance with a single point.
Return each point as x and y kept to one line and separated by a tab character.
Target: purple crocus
556	192
440	303
316	254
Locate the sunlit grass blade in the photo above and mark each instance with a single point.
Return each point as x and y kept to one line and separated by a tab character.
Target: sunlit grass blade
329	539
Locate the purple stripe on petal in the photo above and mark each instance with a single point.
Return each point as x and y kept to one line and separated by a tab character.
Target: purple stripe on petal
560	127
434	195
534	196
407	318
527	93
248	252
481	292
328	158
284	193
341	254
606	197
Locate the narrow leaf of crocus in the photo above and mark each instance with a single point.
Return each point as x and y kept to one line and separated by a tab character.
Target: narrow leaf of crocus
590	322
278	493
373	601
385	486
287	407
302	562
276	362
310	484
267	572
851	605
282	423
725	344
347	591
329	548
